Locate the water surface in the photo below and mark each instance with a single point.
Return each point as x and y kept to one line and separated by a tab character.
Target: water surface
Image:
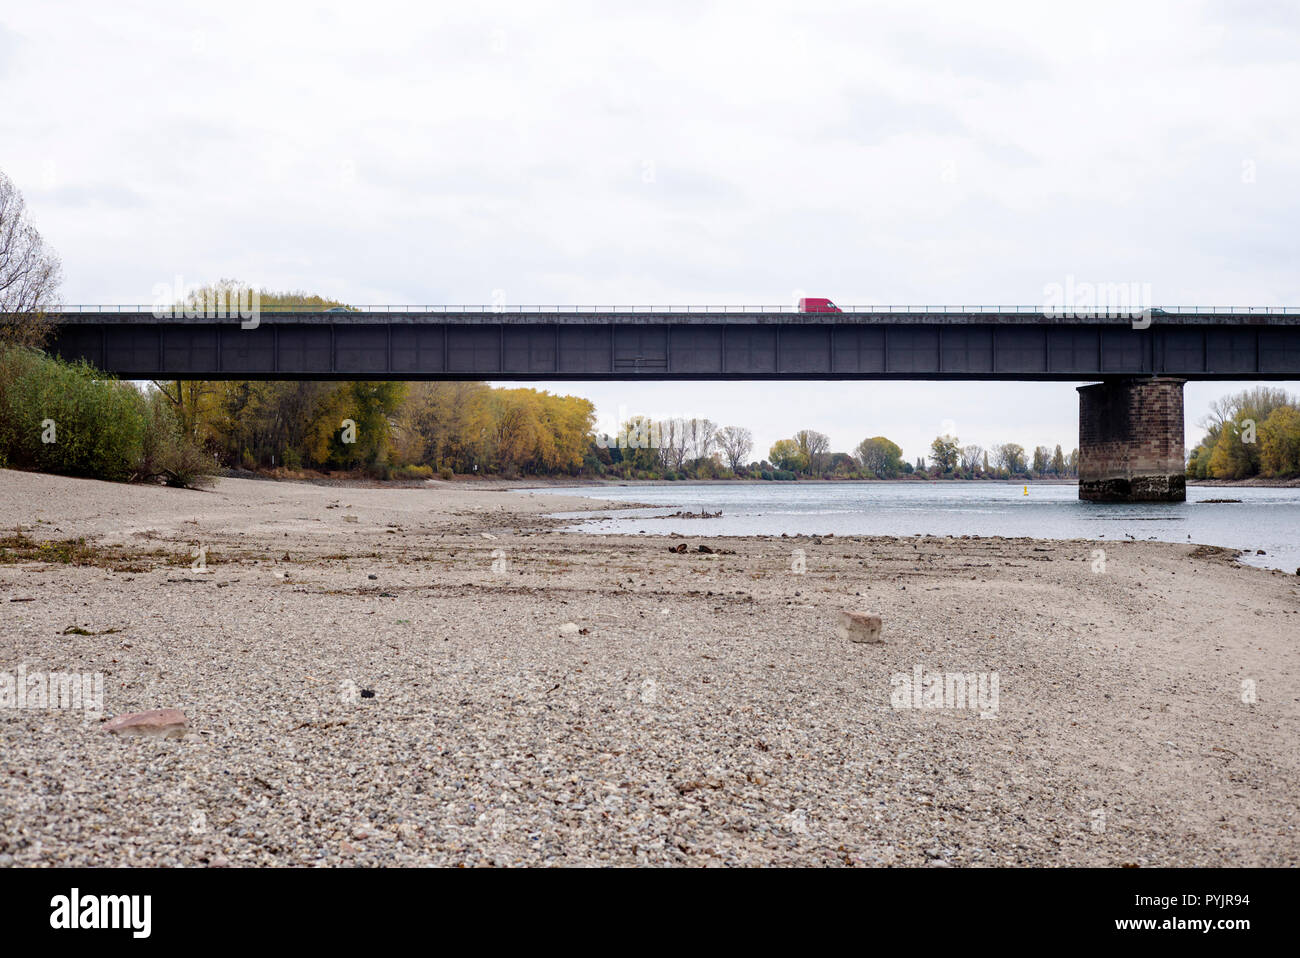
1267	519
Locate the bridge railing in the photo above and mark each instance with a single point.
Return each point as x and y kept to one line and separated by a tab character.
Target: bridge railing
392	308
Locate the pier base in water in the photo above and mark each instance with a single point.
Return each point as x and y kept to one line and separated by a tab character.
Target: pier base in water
1131	441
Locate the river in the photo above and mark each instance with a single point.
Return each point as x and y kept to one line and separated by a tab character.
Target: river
1265	519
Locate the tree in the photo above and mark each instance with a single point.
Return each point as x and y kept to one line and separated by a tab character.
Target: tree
814	446
1041	459
444	423
786	454
644	447
675	444
880	457
970	458
1279	438
187	399
700	437
1230	449
736	444
1058	461
353	425
946	452
1229	459
30	274
842	464
1010	457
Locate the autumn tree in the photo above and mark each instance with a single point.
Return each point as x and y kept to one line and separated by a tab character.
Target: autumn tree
815	448
1279	442
1231	448
786	454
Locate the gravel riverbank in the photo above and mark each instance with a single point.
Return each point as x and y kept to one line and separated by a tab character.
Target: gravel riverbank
390	677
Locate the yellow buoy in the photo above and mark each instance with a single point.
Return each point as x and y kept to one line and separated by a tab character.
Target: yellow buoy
1026	490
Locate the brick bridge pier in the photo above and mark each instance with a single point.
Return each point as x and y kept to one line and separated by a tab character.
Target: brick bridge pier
1131	441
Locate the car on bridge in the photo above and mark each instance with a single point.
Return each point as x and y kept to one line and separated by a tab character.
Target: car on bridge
817	304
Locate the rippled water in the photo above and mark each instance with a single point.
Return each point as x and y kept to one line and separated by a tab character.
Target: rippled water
1267	519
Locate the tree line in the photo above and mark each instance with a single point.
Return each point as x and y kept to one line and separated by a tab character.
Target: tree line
1251	433
700	449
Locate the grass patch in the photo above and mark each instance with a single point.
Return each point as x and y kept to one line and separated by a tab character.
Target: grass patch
18	548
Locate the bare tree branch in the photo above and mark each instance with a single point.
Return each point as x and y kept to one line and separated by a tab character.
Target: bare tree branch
30	274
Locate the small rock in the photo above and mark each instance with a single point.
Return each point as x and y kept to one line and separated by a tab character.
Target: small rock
158	723
367	693
860	627
569	628
372	576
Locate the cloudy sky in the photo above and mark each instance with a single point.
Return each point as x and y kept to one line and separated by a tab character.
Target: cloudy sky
674	152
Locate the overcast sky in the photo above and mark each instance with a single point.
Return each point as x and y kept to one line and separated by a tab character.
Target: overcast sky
682	152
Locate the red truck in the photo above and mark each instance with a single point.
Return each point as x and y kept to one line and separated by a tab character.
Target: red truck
817	304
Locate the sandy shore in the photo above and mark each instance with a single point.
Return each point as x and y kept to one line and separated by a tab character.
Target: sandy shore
701	709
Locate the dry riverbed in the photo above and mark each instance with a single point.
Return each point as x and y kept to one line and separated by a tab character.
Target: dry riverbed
389	676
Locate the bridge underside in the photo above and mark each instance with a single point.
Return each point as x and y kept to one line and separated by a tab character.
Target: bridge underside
698	346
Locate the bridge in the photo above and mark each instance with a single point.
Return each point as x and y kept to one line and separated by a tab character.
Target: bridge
718	343
1131	422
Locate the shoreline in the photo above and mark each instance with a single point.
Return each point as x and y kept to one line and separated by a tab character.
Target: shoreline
539	482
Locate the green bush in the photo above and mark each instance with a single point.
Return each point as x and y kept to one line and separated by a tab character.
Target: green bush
166	454
445	473
67	418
